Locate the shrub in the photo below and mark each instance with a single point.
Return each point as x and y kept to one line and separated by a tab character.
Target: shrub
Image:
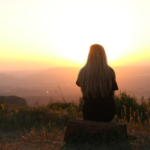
59	113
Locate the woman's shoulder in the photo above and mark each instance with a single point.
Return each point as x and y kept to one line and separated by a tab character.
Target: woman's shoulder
83	68
111	69
81	71
113	73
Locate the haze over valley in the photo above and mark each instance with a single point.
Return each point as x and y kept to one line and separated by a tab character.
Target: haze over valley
43	85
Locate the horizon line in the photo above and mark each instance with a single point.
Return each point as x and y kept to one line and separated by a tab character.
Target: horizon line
72	67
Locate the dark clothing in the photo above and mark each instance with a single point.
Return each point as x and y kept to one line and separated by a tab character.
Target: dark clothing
98	117
100	109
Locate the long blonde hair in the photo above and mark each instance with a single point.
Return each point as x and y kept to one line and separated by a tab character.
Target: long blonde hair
96	76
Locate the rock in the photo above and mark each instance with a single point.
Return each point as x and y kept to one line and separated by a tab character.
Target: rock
88	127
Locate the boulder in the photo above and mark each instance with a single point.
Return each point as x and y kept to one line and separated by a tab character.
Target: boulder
87	127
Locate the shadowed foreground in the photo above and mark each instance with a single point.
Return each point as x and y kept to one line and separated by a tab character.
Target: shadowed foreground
43	127
41	140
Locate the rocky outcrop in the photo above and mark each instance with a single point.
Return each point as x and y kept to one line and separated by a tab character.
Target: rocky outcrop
88	127
18	101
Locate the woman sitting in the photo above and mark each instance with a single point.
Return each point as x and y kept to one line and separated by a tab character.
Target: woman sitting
97	82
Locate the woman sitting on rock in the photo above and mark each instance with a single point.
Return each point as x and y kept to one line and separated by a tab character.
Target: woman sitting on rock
97	82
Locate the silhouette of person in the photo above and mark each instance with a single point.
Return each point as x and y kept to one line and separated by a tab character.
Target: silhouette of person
98	83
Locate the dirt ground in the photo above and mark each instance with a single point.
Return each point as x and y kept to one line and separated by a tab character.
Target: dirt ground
19	141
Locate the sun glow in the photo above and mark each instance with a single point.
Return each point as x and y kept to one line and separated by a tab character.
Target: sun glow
80	29
59	33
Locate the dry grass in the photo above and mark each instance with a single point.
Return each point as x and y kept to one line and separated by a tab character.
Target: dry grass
33	140
138	139
43	127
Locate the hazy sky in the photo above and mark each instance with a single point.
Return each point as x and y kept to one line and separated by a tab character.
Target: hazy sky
36	34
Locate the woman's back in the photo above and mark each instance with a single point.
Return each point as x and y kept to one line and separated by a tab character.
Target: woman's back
97	82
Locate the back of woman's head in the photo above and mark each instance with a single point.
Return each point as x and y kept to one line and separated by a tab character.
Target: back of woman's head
96	76
97	56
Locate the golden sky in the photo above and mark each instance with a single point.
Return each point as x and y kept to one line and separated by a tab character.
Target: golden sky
40	34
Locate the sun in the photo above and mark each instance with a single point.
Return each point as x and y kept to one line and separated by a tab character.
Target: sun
76	32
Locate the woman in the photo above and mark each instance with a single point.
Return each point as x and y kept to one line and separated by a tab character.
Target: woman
97	82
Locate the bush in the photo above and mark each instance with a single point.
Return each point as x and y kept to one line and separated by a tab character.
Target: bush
59	113
129	109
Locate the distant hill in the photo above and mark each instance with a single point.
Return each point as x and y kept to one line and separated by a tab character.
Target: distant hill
68	75
50	77
55	76
138	76
7	80
43	84
18	101
22	73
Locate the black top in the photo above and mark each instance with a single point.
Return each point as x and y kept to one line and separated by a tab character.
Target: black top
100	105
